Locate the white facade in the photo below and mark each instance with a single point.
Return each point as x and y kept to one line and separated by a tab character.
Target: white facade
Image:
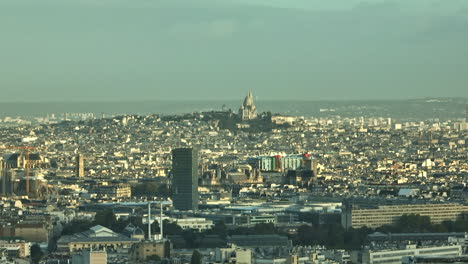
396	256
199	224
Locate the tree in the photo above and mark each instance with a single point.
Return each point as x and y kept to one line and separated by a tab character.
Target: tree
105	218
153	258
36	253
191	238
196	257
335	236
76	226
219	229
264	229
413	223
172	228
151	189
306	235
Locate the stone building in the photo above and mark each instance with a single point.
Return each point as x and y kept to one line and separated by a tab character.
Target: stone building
248	110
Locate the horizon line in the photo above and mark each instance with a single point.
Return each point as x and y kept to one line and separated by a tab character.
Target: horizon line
224	100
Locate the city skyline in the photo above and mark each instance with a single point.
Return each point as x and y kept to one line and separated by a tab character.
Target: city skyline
233	131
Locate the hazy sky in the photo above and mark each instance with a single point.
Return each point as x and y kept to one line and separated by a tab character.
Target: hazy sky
82	50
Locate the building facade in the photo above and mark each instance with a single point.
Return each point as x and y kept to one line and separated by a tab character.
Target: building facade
278	162
389	214
21	247
185	178
141	251
117	191
90	257
80	168
97	237
248	110
199	224
396	256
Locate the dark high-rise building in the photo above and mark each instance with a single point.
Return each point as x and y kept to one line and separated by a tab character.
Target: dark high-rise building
185	178
79	166
6	180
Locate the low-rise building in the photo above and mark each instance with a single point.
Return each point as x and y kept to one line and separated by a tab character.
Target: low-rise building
118	191
97	237
389	214
395	256
16	248
90	257
199	224
141	251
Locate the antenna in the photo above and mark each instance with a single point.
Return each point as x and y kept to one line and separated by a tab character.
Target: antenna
161	221
149	221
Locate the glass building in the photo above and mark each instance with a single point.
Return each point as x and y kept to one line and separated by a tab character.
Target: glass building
185	178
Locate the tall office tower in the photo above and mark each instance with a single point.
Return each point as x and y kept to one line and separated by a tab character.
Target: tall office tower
185	178
6	180
3	180
80	166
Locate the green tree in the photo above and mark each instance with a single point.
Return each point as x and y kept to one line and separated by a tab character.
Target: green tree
153	258
105	218
172	228
413	223
196	257
76	226
36	253
335	236
152	189
191	238
307	235
219	229
264	229
461	225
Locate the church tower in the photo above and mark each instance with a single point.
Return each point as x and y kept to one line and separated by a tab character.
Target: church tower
248	111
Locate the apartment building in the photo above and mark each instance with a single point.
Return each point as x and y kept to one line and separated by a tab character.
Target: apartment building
389	214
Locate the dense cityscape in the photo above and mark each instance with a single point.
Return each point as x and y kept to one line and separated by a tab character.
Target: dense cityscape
240	187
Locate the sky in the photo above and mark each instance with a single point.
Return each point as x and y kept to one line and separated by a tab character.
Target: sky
117	50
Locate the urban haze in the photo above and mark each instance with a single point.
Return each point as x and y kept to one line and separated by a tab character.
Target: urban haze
233	131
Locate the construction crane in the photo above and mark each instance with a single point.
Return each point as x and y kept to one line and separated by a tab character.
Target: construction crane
26	162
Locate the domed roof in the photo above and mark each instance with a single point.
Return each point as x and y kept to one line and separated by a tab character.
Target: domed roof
138	231
248	101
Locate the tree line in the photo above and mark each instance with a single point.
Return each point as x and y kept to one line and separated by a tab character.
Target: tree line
331	235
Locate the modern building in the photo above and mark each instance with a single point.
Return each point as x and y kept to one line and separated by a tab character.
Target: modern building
417	237
435	259
199	224
395	256
278	162
259	241
80	167
262	219
248	110
6	180
389	214
185	178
